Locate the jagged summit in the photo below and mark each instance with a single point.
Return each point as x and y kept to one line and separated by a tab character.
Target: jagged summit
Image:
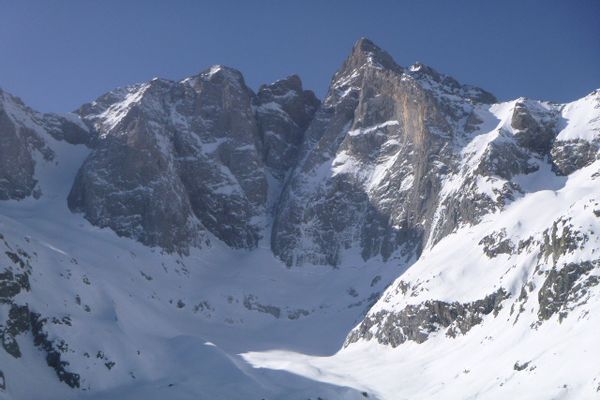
368	59
365	51
448	84
365	54
219	72
290	94
291	82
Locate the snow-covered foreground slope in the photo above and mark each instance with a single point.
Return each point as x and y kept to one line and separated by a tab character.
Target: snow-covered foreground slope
458	241
136	322
523	349
507	308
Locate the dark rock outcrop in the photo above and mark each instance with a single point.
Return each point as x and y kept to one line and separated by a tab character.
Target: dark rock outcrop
14	280
570	155
176	160
283	111
53	354
417	322
18	144
23	138
17	323
135	192
564	287
497	243
562	238
535	126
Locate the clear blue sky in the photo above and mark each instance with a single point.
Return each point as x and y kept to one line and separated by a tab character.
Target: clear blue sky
59	54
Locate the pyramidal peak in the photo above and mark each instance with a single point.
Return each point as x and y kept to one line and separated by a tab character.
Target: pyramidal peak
365	53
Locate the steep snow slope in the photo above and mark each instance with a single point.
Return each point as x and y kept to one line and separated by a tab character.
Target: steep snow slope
507	308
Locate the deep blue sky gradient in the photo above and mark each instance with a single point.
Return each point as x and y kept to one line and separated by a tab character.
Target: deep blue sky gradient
59	54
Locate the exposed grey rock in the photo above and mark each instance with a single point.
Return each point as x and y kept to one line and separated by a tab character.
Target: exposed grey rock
297	313
17	323
135	192
418	322
251	303
341	196
562	238
563	287
574	152
23	139
52	350
520	367
21	319
69	128
535	126
570	155
283	111
11	285
451	85
469	205
496	243
505	158
196	151
186	158
14	279
17	146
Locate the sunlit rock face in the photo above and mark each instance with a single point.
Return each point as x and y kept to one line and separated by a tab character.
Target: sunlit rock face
371	166
176	160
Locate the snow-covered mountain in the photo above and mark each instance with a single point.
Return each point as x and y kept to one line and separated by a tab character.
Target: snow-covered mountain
410	237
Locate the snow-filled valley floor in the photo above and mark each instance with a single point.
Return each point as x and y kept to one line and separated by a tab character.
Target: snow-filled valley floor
146	324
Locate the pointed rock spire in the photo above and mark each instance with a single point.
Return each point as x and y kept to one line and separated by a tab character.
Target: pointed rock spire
365	52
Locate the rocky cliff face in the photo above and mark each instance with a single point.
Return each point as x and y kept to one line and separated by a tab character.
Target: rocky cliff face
373	161
22	131
283	111
176	162
507	155
370	171
389	165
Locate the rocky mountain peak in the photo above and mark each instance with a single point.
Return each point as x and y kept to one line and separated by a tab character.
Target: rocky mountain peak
292	82
206	144
219	74
289	94
365	54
